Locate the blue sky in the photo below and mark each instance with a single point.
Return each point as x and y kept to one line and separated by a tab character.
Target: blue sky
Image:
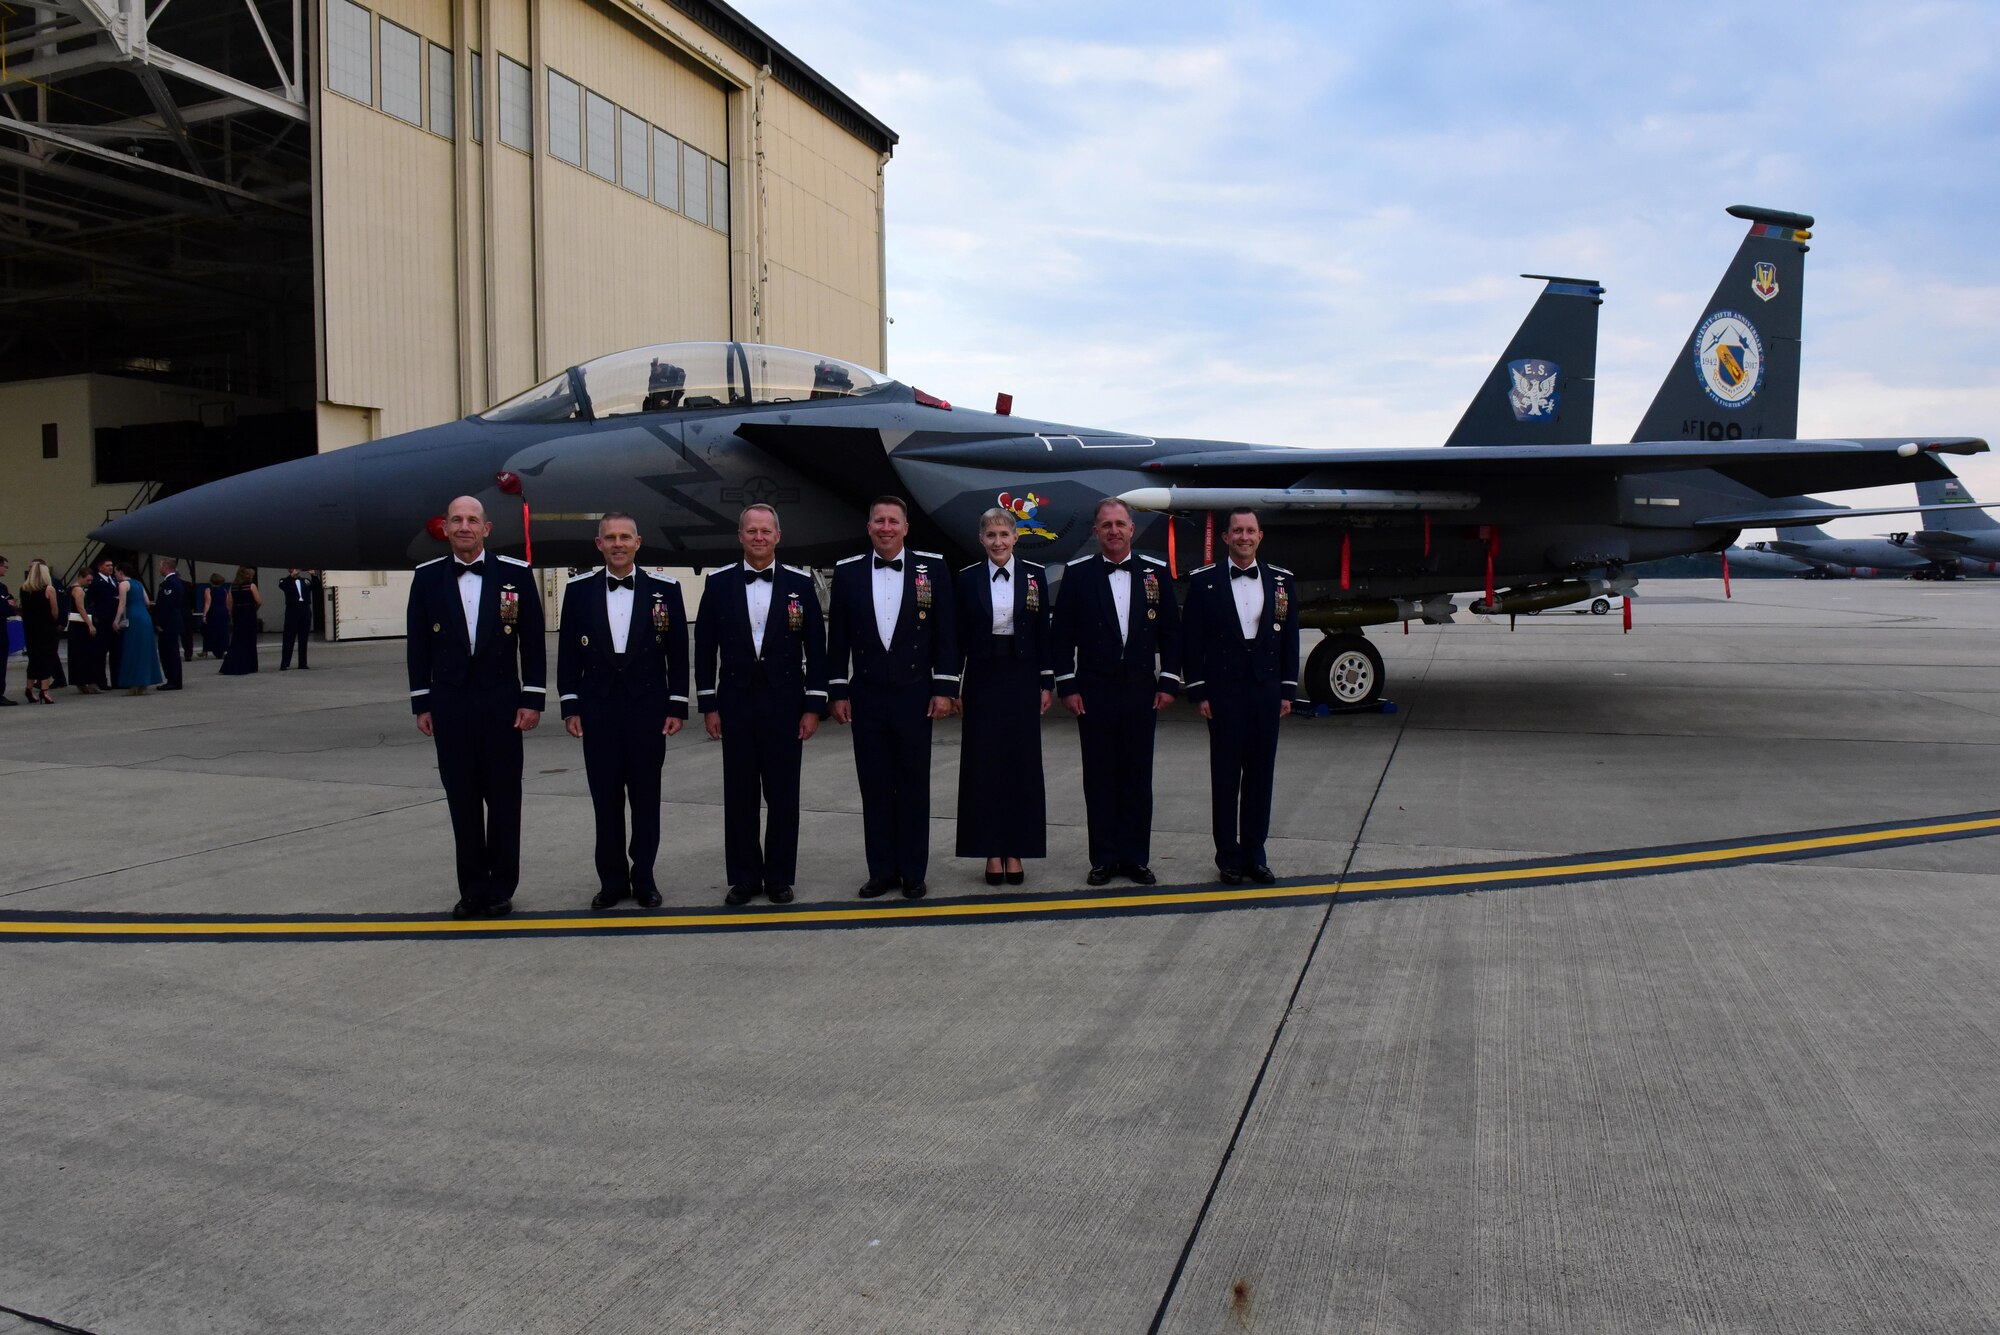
1302	223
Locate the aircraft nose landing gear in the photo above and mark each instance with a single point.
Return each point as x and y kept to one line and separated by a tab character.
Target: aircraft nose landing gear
1344	671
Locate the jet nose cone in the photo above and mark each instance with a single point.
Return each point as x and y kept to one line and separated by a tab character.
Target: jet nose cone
297	513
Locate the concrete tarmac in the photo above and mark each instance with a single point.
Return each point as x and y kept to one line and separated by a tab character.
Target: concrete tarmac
1752	1097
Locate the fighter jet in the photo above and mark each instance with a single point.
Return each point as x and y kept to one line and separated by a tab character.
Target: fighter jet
1965	539
683	435
1863	557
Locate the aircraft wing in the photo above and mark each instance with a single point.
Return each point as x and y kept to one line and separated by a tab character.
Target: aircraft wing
1785	518
1774	467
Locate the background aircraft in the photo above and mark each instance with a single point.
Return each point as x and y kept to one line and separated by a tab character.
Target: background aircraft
683	435
1755	557
1963	537
1814	547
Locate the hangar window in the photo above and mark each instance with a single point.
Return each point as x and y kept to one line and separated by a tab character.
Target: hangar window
632	133
474	74
443	95
666	169
565	119
402	73
517	112
600	135
718	194
694	183
350	64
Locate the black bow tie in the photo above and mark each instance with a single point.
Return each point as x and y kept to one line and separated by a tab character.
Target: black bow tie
754	575
896	564
476	568
617	583
1243	572
1001	573
1125	565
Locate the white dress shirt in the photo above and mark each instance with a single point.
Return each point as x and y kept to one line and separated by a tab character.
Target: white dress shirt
757	597
1121	599
888	585
1249	596
1003	596
618	611
469	588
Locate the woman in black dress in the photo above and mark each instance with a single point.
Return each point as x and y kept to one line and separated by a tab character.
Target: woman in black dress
1003	630
40	615
214	617
86	657
244	600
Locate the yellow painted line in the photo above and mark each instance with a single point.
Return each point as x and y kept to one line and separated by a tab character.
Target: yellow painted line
1204	897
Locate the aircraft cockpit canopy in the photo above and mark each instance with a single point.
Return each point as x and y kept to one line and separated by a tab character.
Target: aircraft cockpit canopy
685	377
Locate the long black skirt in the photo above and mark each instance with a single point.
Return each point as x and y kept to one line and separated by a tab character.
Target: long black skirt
1002	812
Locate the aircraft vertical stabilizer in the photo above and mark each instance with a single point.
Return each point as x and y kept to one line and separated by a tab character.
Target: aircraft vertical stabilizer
1543	388
1968	518
1737	376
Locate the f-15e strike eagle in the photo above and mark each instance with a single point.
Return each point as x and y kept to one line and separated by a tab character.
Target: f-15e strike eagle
1515	506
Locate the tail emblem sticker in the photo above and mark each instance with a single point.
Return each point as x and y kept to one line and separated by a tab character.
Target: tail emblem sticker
1729	358
1532	389
1764	281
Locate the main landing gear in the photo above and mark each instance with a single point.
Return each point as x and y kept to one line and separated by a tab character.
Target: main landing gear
1344	671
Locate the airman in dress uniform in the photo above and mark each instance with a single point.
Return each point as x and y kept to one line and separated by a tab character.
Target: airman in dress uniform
622	672
760	681
170	620
478	667
1116	636
297	586
1241	634
892	659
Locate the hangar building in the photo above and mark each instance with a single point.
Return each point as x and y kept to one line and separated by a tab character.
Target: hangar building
237	231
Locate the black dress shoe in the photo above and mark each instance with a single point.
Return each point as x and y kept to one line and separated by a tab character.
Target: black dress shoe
1018	877
1229	875
606	899
739	895
465	908
646	896
1098	876
170	688
878	886
1262	874
499	910
1139	874
915	889
996	878
780	894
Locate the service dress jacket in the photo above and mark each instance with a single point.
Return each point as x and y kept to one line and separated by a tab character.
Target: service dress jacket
924	647
794	654
511	658
655	667
1084	628
1214	651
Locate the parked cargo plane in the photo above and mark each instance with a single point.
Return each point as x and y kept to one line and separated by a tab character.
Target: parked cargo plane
683	435
1965	538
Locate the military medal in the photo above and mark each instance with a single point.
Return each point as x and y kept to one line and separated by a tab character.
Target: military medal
1152	590
660	620
795	616
923	592
510	605
1284	602
1034	595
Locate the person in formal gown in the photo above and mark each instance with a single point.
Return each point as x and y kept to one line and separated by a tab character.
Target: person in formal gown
8	612
1009	680
477	661
1117	648
298	588
240	660
170	620
891	661
41	622
214	617
1240	640
622	677
85	657
139	647
760	682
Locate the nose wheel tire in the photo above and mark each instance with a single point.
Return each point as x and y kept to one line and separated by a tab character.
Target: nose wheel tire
1344	671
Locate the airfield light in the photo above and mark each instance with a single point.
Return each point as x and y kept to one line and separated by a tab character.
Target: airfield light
929	400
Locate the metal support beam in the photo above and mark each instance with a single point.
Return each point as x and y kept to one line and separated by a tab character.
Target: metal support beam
33	131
